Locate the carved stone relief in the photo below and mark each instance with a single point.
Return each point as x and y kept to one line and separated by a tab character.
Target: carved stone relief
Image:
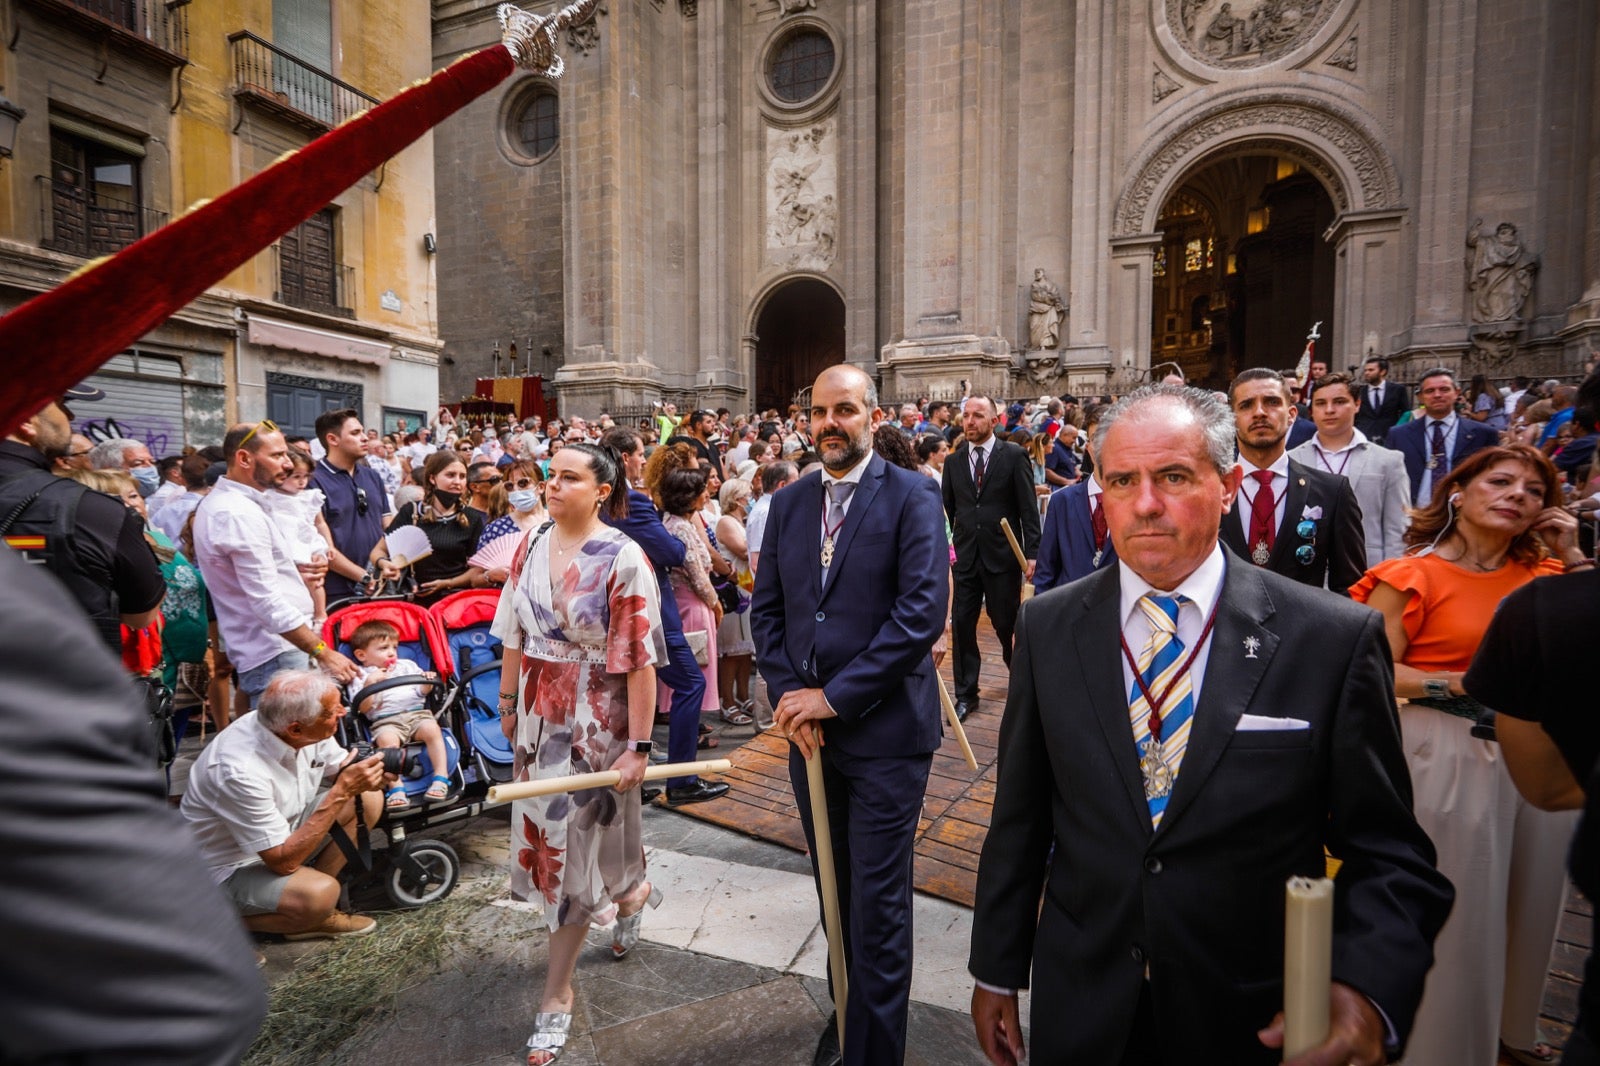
1345	57
789	7
1362	156
1161	86
802	218
585	37
1245	33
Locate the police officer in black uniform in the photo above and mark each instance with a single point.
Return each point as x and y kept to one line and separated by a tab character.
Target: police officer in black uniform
91	542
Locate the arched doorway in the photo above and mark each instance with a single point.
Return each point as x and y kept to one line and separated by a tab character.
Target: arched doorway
1242	271
799	332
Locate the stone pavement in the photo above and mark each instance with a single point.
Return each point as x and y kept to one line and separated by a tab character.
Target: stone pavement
732	966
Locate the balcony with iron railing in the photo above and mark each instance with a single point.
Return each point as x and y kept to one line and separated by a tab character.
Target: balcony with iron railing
73	220
313	285
156	29
270	79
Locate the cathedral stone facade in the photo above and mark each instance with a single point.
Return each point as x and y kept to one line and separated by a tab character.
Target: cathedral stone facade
1030	196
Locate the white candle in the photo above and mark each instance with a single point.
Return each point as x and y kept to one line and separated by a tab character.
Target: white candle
1307	963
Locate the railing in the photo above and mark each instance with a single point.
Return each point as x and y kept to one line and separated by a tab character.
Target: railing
276	81
313	285
160	28
72	221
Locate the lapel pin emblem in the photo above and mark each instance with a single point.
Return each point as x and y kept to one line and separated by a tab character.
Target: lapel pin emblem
1251	646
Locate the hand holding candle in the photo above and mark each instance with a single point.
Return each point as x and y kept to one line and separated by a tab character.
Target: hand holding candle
1307	963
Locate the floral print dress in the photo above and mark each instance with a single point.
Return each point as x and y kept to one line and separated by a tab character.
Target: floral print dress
577	852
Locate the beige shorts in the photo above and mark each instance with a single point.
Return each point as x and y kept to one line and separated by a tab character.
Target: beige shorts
405	725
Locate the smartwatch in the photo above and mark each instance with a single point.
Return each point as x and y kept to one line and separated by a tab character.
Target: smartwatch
641	746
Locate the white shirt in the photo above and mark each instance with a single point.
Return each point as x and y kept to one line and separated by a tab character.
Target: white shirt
1510	407
1450	423
249	568
737	454
169	491
391	701
172	517
1202	588
755	523
248	791
987	451
1250	486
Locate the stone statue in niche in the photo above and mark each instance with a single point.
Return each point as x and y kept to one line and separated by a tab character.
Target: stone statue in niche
1502	273
789	7
1044	312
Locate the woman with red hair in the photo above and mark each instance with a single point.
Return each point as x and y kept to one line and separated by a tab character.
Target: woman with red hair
1493	525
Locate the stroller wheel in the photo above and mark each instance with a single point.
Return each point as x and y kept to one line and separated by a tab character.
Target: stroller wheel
424	872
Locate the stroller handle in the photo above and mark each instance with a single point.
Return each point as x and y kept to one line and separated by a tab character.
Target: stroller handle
393	682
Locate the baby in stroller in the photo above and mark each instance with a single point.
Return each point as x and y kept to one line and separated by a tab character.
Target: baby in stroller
398	715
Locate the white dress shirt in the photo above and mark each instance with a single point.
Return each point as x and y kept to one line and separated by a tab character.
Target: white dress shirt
1250	486
248	791
249	568
1450	423
987	450
169	491
1201	588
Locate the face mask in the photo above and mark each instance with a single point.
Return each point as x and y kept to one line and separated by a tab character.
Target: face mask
523	499
447	500
147	477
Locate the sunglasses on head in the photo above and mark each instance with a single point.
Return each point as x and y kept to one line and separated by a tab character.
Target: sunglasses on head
265	424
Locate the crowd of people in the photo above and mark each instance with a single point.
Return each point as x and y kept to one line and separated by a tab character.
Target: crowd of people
654	571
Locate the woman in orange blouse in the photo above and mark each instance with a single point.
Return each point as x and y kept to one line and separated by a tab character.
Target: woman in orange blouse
1493	525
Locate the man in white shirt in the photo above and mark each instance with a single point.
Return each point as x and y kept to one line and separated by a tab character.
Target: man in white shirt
262	604
774	476
262	800
1376	474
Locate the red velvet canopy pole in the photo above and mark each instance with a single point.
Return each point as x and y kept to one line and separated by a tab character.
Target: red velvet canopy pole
64	335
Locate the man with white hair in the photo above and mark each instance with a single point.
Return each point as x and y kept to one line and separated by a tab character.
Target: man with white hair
262	801
129	456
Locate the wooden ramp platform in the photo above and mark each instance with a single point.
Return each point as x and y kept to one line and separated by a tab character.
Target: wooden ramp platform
955	813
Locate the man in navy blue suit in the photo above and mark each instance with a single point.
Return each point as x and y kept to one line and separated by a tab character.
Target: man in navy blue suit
849	601
1435	443
1075	542
681	673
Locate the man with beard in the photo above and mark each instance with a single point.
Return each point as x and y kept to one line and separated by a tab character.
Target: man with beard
263	607
1299	522
849	601
88	540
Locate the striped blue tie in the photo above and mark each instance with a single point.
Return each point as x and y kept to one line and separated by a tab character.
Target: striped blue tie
1161	658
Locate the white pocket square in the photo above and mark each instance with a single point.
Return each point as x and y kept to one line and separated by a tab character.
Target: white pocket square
1256	723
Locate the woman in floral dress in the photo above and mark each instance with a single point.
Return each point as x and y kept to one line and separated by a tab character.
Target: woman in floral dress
581	624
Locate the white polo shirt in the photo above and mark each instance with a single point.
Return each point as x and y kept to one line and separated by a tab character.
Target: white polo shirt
248	791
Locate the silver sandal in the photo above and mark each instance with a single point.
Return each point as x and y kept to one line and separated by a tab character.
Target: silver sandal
550	1031
626	934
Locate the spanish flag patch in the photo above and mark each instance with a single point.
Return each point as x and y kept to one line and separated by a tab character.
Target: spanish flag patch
22	544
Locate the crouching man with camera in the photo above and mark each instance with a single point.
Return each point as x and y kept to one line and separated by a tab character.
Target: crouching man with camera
263	798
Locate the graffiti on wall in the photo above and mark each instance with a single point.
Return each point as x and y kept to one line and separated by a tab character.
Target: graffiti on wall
158	434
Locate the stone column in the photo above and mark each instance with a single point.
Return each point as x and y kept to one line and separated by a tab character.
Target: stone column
1367	311
949	323
1130	286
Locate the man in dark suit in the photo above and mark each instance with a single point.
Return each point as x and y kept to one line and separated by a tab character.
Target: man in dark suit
1299	522
986	479
848	603
1075	541
1435	443
1136	856
680	673
1382	401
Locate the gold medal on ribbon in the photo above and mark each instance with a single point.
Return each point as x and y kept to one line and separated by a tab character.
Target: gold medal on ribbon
1157	775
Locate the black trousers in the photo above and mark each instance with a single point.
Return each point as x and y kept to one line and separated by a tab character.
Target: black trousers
978	588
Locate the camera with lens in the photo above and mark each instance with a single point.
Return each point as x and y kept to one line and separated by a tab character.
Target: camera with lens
396	761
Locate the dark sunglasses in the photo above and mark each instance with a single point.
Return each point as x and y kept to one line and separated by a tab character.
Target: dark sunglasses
524	483
361	500
489	481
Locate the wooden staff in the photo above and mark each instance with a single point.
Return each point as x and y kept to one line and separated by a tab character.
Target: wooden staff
955	722
549	786
823	836
1022	560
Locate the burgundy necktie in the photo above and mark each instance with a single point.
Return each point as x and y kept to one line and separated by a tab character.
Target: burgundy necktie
1263	510
1097	520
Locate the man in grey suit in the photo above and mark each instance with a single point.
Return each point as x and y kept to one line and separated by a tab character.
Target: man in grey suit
1184	733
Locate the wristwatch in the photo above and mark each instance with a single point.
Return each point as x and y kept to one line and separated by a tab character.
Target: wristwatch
641	746
1436	688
